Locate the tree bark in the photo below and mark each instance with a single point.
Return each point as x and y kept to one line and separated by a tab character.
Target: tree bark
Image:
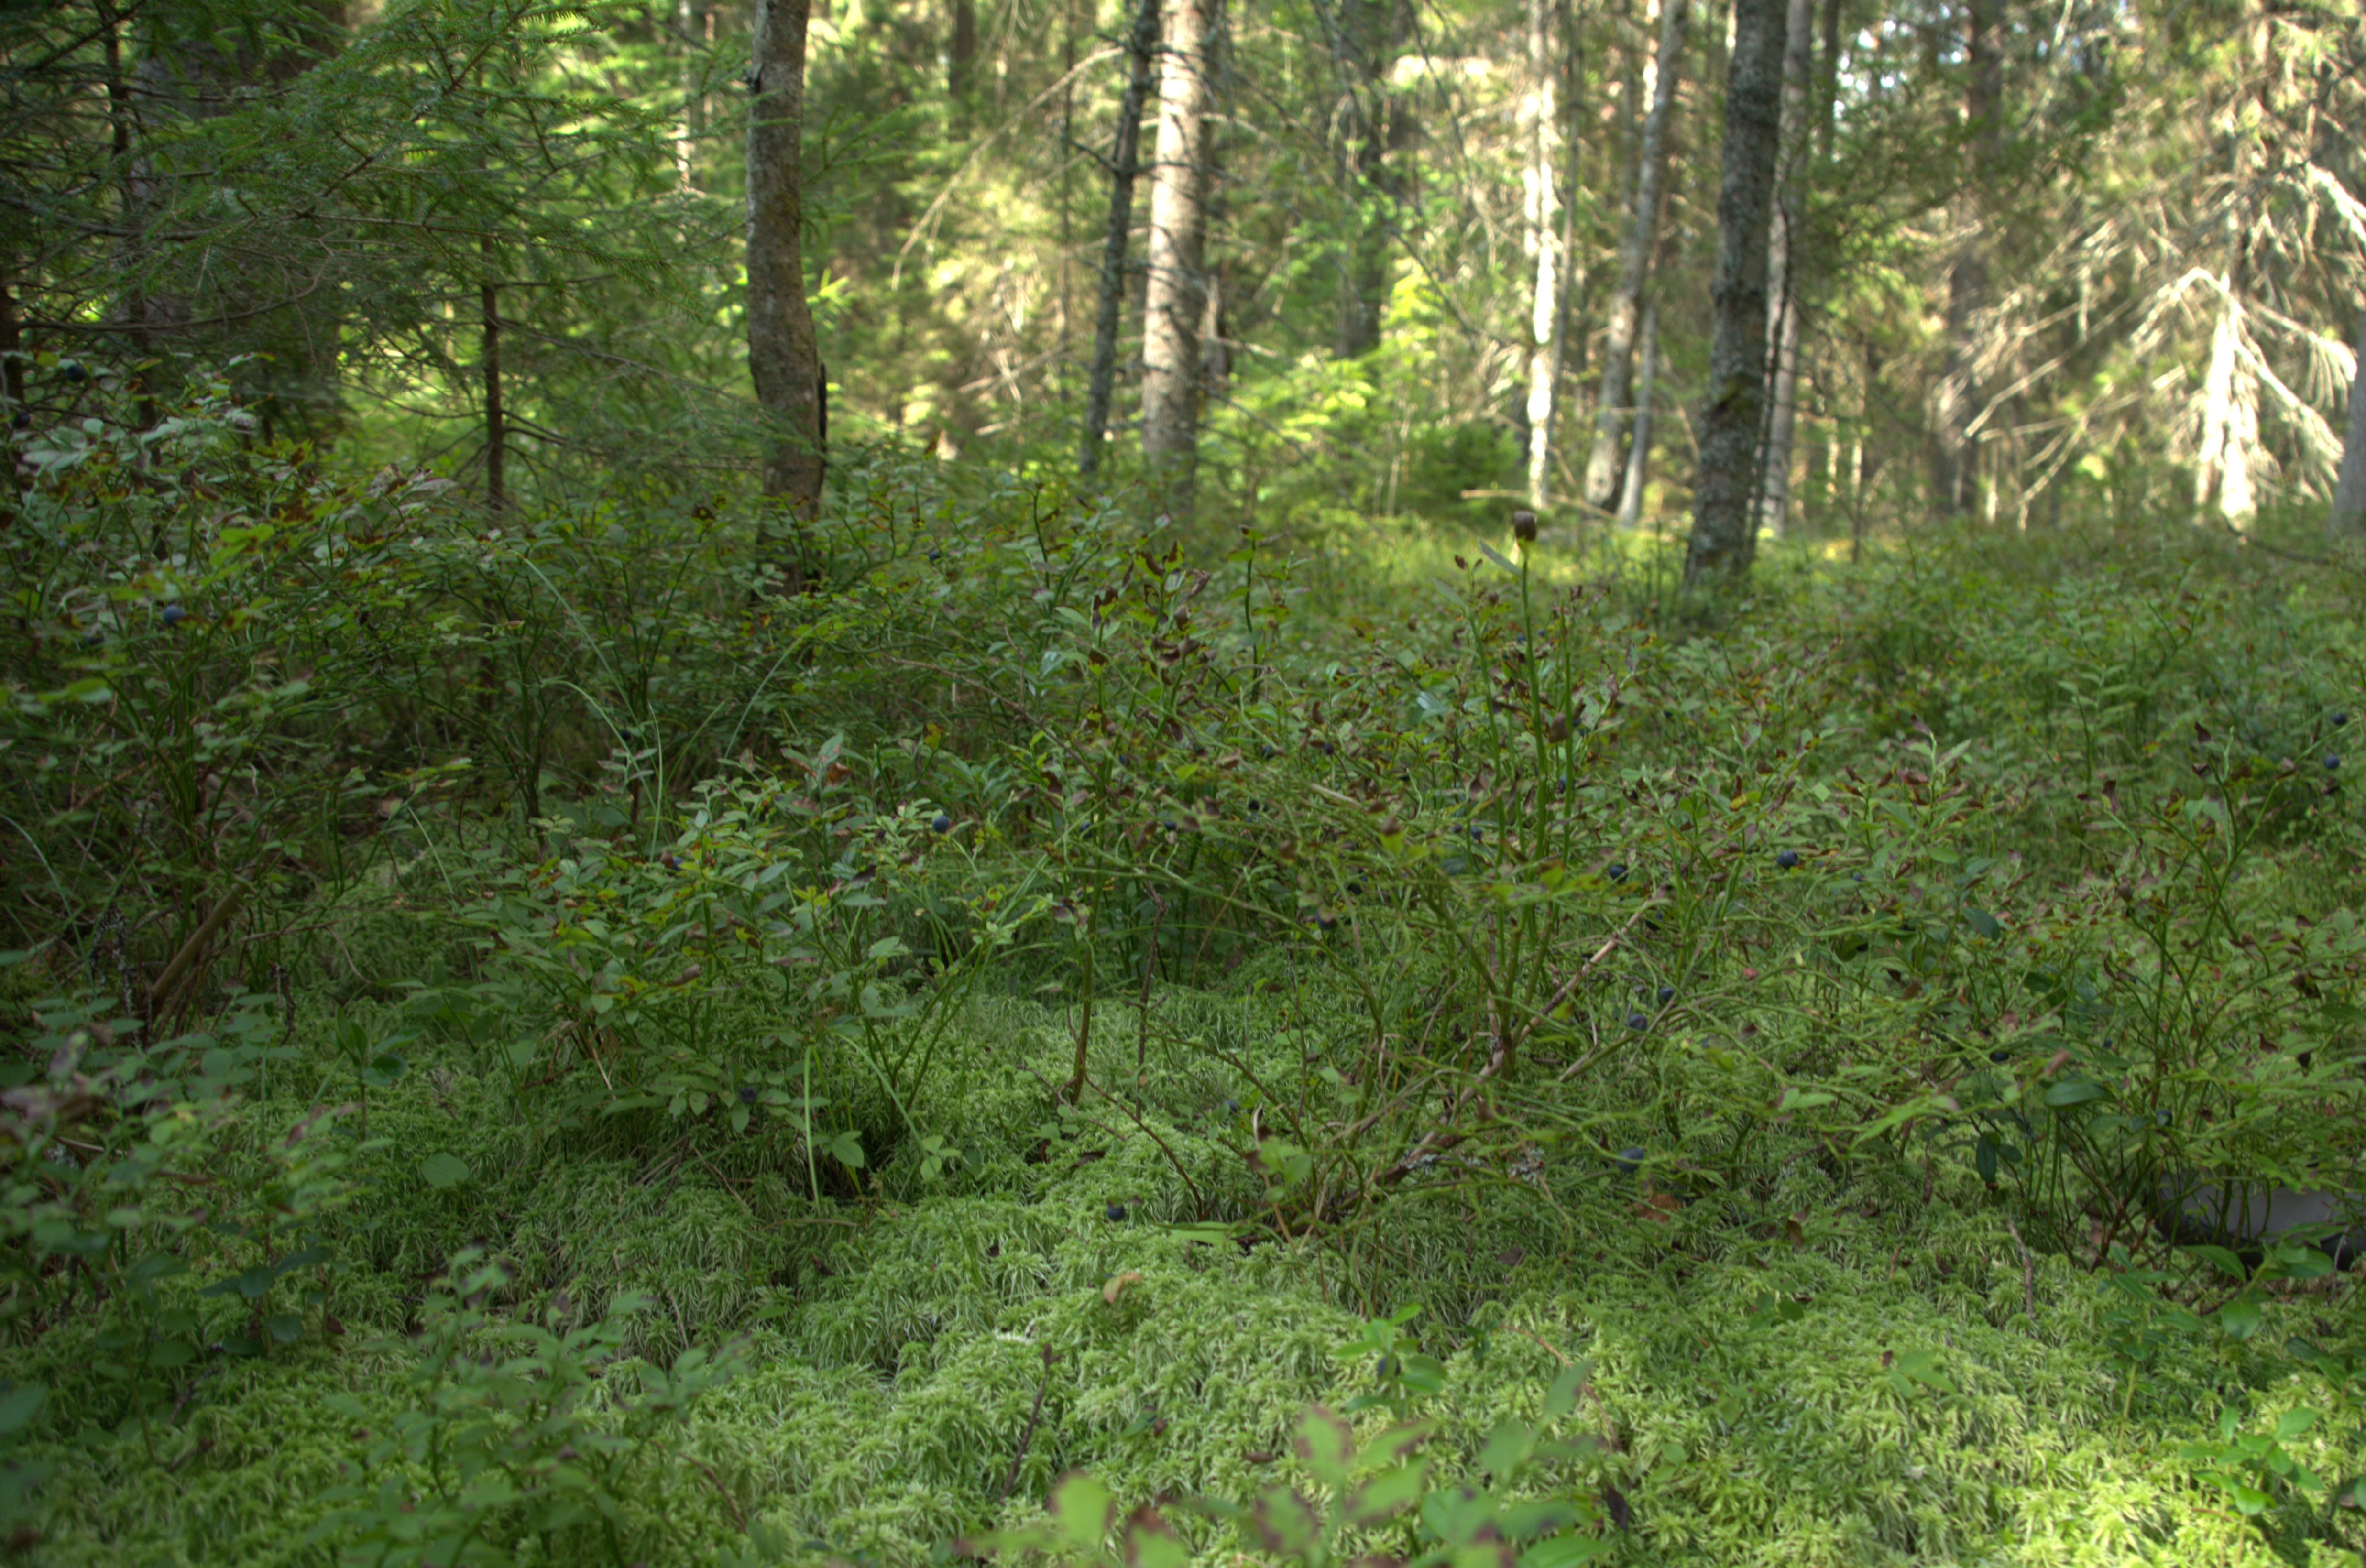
961	51
1638	450
1724	525
1786	253
1369	128
497	439
1178	224
1142	48
783	360
2349	487
1541	207
1954	482
1636	245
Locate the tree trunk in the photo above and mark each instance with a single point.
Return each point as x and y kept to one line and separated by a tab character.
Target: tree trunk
1954	482
2350	487
1142	48
1364	130
497	438
1635	249
1178	222
1638	450
783	360
961	51
1786	254
1541	207
2230	415
1724	525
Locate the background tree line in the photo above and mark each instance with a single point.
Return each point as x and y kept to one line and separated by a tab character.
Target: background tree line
1736	270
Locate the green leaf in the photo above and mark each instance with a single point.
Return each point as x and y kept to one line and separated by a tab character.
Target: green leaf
2075	1092
1497	556
1084	1510
20	1405
1507	1449
1562	1397
1284	1522
1385	1495
1564	1552
2226	1262
2239	1318
1529	1521
1327	1444
2292	1423
443	1172
1151	1542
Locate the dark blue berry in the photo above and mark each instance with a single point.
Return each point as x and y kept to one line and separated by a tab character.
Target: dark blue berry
2340	720
669	861
1787	859
1999	1056
72	371
1115	1211
171	615
1616	870
1231	1106
941	823
747	1094
1386	1367
1637	1021
21	422
1477	832
92	638
1629	1161
2331	763
1356	888
1857	876
935	555
1667	994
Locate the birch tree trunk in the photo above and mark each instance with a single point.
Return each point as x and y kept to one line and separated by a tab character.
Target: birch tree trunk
1541	207
783	360
1638	450
1784	255
1179	226
1724	525
1140	48
2350	487
1636	245
1952	481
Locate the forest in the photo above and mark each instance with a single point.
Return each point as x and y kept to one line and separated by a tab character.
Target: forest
1413	783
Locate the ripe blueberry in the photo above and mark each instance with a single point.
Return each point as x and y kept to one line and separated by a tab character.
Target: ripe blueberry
2331	762
2340	720
172	614
1787	859
1629	1161
1115	1211
1637	1021
747	1094
1615	871
941	823
1667	994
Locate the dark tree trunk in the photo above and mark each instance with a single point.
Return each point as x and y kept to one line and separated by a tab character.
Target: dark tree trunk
1636	245
1639	450
1176	299
961	51
1140	48
1369	128
496	425
783	360
1724	523
1954	482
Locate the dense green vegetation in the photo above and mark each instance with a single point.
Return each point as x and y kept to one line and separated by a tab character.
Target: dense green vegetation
1045	944
792	1077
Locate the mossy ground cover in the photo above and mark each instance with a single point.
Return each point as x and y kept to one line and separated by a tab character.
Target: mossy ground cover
1125	1004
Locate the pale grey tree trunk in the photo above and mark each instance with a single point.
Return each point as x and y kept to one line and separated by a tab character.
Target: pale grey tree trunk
1724	524
1636	245
1786	252
1140	48
1541	207
2350	489
1178	231
783	360
1639	450
1954	482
